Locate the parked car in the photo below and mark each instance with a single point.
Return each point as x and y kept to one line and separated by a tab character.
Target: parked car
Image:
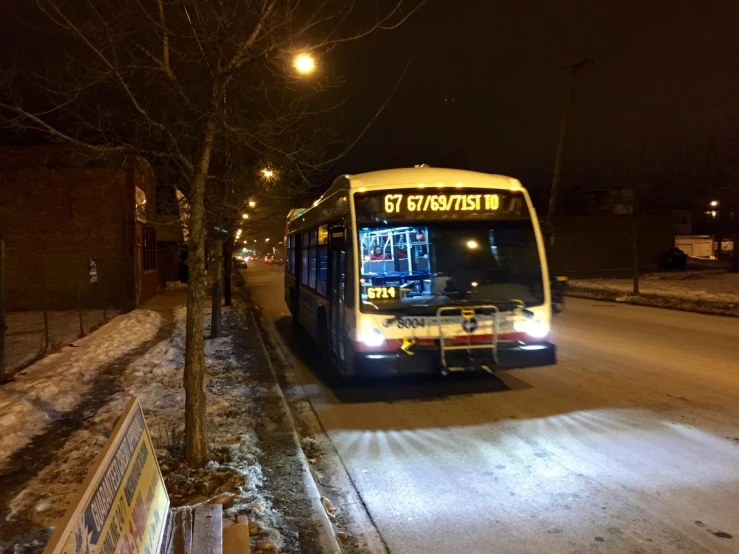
674	258
240	263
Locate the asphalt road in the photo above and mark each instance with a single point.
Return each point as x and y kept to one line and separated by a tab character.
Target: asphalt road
629	444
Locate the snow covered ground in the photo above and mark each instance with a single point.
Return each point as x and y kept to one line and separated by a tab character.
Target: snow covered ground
60	411
707	292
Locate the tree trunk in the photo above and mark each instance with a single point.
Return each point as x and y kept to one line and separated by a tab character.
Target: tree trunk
2	310
215	313
196	443
227	269
635	251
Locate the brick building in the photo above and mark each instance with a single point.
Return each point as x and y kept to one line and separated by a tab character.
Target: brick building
79	231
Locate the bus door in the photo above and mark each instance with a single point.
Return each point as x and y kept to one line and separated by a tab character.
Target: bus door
337	290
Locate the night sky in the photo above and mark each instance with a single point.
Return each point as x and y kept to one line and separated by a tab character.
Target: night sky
487	81
486	86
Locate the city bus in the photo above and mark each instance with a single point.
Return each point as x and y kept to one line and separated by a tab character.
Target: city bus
421	270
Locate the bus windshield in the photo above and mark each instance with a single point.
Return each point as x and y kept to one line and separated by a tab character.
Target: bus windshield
422	266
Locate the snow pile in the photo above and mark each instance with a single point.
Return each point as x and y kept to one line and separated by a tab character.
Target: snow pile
232	478
54	385
175	285
25	336
708	292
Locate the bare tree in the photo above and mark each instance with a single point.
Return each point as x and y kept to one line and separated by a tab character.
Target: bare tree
180	82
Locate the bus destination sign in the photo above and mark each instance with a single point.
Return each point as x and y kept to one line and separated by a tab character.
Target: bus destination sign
398	203
476	204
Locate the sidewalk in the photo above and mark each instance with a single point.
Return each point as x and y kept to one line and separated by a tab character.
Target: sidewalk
57	415
714	293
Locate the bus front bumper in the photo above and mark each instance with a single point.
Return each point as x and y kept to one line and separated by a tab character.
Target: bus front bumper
429	360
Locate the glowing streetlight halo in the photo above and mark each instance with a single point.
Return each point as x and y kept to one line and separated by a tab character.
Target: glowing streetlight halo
304	63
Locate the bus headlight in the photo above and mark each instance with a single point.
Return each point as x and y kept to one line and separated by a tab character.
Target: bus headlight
532	327
370	335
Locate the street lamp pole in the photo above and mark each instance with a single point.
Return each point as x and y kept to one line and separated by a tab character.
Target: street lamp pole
561	143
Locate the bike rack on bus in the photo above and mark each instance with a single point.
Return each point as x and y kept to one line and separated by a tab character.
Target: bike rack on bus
468	313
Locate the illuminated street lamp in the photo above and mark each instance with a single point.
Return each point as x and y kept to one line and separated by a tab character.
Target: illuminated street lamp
245	216
252	203
714	203
305	64
268	173
266	240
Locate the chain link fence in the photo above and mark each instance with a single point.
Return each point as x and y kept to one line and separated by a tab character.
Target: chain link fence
50	301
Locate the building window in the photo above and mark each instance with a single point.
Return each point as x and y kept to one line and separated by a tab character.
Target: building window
150	248
140	205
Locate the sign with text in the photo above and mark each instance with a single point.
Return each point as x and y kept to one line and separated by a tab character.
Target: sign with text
123	505
436	204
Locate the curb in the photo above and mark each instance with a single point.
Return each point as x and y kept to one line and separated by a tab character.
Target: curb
326	536
656	301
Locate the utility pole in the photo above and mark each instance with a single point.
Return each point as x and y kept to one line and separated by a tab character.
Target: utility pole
561	143
227	268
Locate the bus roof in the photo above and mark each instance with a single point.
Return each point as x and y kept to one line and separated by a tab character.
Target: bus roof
430	176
